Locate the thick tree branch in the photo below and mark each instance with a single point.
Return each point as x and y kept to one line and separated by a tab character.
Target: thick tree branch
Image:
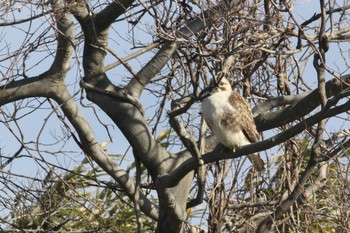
38	86
278	101
102	92
95	46
301	108
107	16
92	148
65	35
44	87
25	88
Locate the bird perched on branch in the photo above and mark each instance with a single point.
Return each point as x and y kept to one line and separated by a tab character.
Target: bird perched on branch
230	119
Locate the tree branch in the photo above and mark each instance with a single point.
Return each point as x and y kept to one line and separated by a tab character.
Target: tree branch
38	86
65	35
93	149
110	13
278	101
302	107
25	88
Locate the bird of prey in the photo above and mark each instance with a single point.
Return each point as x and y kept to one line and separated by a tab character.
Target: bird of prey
230	119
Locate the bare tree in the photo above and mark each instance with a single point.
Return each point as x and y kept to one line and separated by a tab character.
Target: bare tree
146	65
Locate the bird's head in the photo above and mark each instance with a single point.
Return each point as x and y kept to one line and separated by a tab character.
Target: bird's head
215	86
220	85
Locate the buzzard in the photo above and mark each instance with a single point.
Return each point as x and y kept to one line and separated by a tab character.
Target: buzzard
230	119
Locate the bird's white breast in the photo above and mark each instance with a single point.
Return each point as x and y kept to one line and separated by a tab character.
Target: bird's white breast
214	109
214	105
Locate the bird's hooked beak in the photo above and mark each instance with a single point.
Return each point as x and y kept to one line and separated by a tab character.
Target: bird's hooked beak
214	90
210	89
213	86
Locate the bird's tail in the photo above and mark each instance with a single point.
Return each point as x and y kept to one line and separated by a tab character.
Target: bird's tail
257	162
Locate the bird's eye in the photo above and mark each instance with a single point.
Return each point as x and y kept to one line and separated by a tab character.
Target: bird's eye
221	83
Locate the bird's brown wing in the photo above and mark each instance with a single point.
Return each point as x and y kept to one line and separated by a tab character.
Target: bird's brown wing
248	127
246	121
